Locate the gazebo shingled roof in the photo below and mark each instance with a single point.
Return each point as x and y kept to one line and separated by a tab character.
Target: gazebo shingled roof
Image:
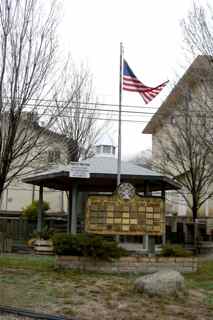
103	175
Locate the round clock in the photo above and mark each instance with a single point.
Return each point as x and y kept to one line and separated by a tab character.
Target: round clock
126	191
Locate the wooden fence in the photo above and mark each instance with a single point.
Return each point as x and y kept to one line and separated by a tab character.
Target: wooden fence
22	229
17	229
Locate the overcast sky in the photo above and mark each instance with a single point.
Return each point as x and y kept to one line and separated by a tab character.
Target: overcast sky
150	31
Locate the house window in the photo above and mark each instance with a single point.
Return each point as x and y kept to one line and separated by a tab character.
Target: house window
106	149
54	156
172	120
189	96
98	149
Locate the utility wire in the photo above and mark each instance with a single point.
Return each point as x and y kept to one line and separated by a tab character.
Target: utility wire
88	103
98	118
102	117
160	114
88	113
89	109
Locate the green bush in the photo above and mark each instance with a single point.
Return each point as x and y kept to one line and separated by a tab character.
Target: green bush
174	250
46	233
85	245
30	212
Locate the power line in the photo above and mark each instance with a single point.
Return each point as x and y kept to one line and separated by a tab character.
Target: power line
93	114
107	110
98	118
128	112
125	113
103	116
89	103
94	109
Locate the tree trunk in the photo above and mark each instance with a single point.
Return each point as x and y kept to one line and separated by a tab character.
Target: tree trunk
195	231
2	181
73	152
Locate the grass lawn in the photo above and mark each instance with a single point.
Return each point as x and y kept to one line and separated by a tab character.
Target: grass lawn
32	282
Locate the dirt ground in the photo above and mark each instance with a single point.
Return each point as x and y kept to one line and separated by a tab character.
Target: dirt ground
7	317
91	296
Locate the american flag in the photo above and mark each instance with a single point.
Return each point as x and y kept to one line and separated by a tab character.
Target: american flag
131	83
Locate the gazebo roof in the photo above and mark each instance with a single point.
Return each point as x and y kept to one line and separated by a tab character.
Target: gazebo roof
106	165
103	177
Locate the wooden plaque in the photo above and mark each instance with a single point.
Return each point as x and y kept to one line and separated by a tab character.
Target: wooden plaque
113	215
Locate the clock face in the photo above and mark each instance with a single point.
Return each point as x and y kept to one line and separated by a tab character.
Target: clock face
126	191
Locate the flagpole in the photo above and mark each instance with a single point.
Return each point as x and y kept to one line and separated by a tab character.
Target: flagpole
119	117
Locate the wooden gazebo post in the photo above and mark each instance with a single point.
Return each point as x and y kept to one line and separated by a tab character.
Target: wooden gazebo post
149	241
72	210
163	196
40	209
69	213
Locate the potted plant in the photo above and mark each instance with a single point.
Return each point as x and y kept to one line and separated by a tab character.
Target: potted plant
42	243
30	212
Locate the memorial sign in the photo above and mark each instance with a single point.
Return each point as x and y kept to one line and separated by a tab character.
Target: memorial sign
125	213
79	170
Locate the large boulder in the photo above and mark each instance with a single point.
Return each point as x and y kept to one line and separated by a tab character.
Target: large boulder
161	283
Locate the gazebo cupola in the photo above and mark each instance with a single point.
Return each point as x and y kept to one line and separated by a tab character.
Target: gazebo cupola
105	147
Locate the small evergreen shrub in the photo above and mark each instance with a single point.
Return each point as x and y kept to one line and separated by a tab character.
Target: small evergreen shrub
174	250
30	212
85	245
45	234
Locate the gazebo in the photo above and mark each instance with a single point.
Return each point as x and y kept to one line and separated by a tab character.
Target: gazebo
96	175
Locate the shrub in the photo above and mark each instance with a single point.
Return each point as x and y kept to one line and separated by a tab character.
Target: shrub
30	212
174	250
46	233
87	246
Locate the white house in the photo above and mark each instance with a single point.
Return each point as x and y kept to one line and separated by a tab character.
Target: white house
18	194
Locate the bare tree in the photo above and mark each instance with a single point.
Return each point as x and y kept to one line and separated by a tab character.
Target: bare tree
79	121
183	152
144	159
27	57
198	30
195	133
198	36
186	146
